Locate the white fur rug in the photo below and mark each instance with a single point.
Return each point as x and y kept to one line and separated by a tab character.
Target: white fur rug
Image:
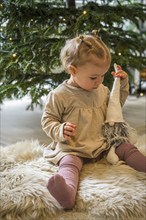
106	192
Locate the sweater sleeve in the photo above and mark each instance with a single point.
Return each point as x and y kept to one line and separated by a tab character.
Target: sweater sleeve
51	118
124	91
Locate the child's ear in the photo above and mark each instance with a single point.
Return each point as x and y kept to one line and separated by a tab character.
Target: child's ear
72	70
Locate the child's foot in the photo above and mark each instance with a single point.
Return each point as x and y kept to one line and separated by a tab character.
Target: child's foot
63	193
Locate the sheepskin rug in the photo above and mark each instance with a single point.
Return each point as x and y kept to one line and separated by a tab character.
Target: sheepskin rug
106	192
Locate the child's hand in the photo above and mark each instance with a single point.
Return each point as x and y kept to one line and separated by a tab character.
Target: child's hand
69	130
120	73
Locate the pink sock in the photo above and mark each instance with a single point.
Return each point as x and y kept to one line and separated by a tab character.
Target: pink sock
63	186
62	192
132	156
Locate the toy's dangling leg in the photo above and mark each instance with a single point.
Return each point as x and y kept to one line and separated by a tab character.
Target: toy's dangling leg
112	156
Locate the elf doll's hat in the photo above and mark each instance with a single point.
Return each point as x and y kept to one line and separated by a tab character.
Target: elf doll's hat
114	110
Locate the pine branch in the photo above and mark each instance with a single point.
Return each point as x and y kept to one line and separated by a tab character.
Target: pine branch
35	33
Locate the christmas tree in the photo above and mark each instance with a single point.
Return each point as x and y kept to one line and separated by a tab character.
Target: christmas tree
33	32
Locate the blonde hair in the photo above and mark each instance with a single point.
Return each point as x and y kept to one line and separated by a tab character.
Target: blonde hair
77	50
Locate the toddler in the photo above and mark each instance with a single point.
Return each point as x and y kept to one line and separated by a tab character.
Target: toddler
75	112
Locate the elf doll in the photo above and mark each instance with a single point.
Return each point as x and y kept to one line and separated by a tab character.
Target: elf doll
115	129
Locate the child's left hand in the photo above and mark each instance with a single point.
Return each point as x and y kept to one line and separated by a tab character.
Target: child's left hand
120	73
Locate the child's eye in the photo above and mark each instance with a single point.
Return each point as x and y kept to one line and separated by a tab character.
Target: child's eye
93	78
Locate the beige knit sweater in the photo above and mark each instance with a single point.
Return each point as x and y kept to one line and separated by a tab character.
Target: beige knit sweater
85	109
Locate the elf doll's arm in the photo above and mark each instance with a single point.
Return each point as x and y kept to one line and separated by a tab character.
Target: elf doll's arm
124	84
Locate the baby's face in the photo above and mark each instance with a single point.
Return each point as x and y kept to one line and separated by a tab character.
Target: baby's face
90	75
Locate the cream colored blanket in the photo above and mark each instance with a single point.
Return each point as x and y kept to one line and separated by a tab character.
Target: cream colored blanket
106	192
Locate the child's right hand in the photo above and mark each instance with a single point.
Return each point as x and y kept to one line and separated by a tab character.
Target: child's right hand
119	72
69	130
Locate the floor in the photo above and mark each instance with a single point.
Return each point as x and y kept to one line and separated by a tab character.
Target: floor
19	124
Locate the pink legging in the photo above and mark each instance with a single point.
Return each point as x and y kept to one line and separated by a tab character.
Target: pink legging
132	157
63	185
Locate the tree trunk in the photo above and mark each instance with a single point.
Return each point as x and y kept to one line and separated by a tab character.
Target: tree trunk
70	4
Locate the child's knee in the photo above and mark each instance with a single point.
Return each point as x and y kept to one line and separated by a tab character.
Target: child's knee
71	160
